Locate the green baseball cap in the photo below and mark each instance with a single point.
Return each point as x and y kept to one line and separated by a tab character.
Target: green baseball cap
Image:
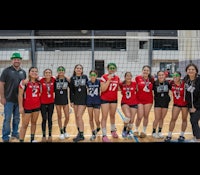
112	64
16	55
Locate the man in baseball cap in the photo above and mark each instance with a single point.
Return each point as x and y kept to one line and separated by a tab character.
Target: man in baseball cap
16	55
9	83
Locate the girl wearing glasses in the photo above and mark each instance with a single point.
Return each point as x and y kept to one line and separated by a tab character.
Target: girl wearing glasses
61	87
177	87
109	91
145	99
78	97
93	102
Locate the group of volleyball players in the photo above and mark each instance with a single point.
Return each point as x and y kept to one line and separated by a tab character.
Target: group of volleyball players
139	95
101	96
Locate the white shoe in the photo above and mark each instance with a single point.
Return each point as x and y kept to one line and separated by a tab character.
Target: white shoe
66	135
193	140
126	120
155	135
130	135
93	137
143	134
136	133
160	135
62	136
34	141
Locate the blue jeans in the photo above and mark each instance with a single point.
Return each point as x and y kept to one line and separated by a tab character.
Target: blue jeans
10	110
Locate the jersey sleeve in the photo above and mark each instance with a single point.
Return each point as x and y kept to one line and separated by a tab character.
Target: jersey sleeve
21	85
137	79
3	76
103	78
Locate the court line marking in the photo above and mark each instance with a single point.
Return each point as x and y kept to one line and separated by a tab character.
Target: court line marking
87	135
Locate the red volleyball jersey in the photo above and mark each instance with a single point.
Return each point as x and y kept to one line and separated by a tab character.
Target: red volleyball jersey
111	93
31	99
145	87
128	93
47	91
178	93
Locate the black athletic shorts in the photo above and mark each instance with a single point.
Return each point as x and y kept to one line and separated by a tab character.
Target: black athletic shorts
28	111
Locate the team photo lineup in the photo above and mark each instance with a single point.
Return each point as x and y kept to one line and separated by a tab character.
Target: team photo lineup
93	107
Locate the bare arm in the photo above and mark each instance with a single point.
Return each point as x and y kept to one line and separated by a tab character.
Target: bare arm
119	89
20	100
104	85
25	81
3	100
68	78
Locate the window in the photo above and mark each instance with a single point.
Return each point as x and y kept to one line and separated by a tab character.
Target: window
143	44
170	66
165	44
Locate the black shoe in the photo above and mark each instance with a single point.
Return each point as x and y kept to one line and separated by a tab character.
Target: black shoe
6	141
78	138
93	137
168	139
15	137
181	139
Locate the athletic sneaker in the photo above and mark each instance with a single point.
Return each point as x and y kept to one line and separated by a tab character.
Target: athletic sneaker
160	135
43	139
6	141
181	139
168	139
93	137
34	141
105	139
114	134
78	138
49	139
130	135
66	135
62	136
143	135
136	133
15	137
124	134
155	135
193	140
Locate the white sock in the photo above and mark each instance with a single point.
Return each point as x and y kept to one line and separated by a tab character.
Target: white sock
136	129
126	120
104	132
112	126
144	129
182	133
169	134
130	126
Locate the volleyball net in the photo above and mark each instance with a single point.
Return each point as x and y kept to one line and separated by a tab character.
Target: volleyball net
130	52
